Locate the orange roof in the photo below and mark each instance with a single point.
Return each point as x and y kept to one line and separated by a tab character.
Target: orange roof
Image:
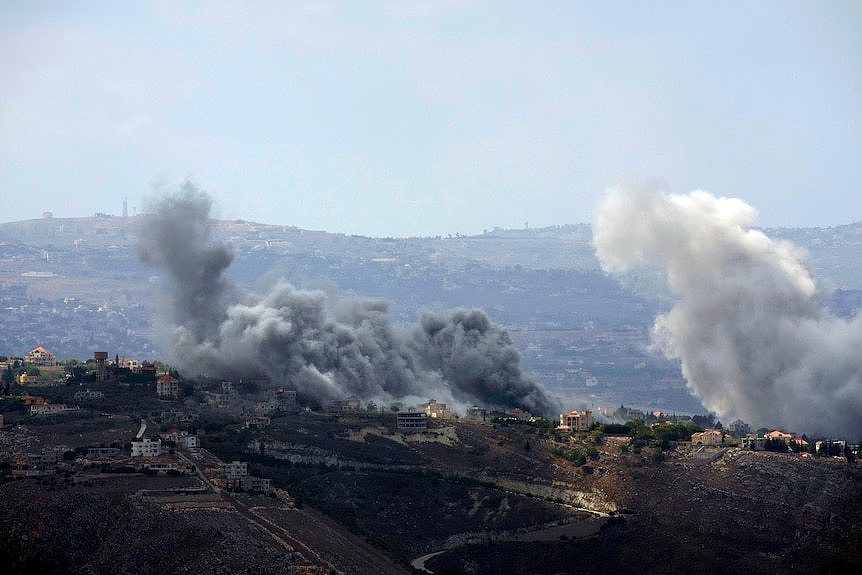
167	378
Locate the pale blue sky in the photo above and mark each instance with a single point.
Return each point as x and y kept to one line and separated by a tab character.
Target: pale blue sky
424	118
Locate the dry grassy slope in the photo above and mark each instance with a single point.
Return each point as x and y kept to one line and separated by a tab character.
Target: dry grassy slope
781	502
744	513
81	530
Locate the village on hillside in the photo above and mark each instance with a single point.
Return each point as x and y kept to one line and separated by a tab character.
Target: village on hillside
37	387
248	455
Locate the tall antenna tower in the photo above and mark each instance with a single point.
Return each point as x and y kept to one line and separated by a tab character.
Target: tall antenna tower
125	207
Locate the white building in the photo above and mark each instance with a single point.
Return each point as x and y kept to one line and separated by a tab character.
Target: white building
146	447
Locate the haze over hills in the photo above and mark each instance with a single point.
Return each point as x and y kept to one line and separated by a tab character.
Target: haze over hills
76	285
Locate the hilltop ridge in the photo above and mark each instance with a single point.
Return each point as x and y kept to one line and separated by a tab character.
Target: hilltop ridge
76	284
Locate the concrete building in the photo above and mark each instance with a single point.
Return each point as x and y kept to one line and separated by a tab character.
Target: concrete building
286	399
164	464
519	414
40	356
267	407
132	364
576	421
256	421
708	438
412	420
436	410
753	442
146	447
739	428
778	434
254	484
234	471
145	368
350	405
102	452
168	387
50	409
476	413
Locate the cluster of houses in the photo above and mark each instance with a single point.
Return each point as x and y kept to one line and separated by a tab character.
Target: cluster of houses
40	366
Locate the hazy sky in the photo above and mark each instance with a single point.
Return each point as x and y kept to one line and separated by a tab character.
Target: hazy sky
423	117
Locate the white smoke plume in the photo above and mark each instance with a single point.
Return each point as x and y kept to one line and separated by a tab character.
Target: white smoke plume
754	340
326	348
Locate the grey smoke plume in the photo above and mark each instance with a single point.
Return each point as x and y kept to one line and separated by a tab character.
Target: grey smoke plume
753	339
326	348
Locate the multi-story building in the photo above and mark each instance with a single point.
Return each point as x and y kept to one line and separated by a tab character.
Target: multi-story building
40	356
436	410
412	420
739	428
234	471
576	421
476	413
168	387
146	447
254	484
286	399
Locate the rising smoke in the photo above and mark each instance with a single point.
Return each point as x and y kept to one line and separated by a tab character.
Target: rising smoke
753	339
325	347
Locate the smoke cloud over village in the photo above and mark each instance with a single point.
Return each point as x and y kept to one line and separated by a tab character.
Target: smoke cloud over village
754	340
325	347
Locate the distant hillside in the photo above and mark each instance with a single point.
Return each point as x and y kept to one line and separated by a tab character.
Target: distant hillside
835	251
76	285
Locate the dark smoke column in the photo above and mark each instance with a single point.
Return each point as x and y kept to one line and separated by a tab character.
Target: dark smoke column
176	238
753	340
325	349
